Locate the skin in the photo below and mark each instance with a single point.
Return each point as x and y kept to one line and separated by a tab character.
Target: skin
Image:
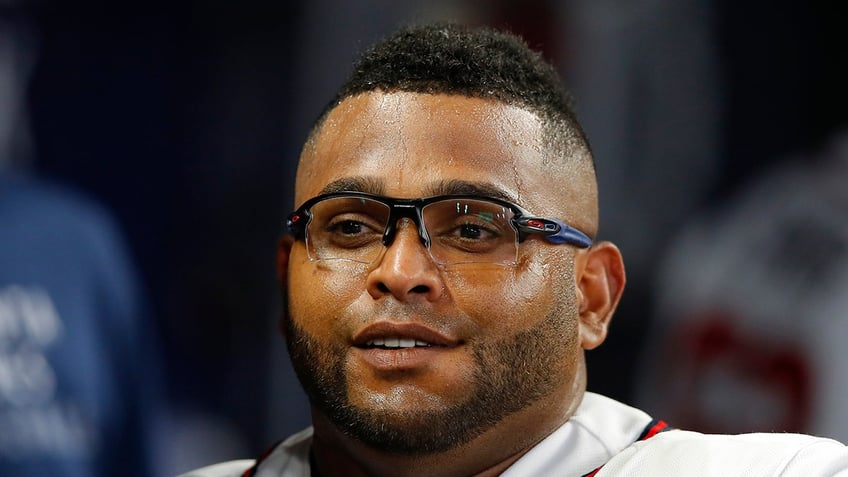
410	145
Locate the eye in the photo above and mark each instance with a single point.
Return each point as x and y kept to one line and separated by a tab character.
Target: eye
347	227
471	231
350	231
353	224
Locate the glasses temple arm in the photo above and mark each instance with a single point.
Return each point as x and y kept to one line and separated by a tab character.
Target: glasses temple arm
553	230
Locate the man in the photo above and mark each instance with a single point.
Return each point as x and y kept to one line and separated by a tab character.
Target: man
442	284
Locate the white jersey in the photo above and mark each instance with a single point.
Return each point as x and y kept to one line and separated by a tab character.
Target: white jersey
605	438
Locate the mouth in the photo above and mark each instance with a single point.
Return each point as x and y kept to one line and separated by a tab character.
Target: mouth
389	347
390	335
396	343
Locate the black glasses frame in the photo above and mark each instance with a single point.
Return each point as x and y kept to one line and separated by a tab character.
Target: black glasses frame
552	230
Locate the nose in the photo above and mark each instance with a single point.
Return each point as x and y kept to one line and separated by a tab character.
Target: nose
406	271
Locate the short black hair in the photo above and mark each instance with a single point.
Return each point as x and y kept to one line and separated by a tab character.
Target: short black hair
481	62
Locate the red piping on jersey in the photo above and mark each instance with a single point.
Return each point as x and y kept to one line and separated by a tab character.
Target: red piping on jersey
251	472
653	428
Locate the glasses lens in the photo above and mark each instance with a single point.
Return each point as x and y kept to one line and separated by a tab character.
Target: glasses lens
470	231
346	228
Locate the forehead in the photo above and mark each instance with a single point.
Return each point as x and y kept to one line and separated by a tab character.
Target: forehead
405	143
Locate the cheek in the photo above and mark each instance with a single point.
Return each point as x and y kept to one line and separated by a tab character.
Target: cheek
501	290
317	292
510	300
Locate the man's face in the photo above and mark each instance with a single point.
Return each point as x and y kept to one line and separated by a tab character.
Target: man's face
491	340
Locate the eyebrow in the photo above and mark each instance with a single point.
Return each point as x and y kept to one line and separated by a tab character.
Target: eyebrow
373	185
461	187
369	185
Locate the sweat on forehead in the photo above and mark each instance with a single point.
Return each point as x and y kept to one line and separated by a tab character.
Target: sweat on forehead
383	131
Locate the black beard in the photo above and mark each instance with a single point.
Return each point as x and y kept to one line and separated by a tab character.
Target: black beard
509	376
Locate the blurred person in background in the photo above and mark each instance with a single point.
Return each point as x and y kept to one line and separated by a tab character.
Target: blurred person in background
80	390
752	309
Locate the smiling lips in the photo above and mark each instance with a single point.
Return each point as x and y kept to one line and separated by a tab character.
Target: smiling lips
391	343
388	346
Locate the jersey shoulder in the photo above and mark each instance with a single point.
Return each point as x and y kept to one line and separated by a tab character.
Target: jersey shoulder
691	454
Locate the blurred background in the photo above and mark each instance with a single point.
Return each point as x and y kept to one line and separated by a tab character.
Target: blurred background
147	151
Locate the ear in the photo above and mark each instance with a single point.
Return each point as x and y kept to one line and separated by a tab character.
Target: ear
283	251
600	282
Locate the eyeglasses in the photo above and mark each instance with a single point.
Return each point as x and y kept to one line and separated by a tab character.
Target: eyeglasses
456	229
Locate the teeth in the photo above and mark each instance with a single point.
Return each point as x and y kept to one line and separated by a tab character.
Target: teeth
394	342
